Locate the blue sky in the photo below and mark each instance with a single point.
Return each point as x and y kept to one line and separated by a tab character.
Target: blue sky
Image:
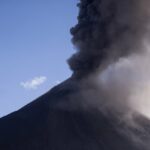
34	46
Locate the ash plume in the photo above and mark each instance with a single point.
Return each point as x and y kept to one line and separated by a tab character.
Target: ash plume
112	37
106	31
112	59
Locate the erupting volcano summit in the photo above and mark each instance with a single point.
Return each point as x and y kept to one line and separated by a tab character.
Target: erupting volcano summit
94	109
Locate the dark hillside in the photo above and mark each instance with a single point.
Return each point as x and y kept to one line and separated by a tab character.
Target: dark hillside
43	125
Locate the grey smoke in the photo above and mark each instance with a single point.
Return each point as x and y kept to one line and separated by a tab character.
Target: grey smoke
112	38
113	57
106	31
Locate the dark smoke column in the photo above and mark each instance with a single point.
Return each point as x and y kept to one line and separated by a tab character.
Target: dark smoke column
106	31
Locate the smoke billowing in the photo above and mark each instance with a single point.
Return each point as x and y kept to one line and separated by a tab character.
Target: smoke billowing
112	59
106	31
112	55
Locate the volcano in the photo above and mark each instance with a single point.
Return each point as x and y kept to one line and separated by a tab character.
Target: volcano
95	108
48	123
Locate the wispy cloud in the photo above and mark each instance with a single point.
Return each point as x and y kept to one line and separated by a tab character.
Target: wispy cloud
57	82
34	83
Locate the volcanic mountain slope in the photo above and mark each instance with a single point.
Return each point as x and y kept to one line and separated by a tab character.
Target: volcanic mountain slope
62	119
51	123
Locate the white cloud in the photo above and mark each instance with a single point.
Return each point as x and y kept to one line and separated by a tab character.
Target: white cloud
57	82
34	83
